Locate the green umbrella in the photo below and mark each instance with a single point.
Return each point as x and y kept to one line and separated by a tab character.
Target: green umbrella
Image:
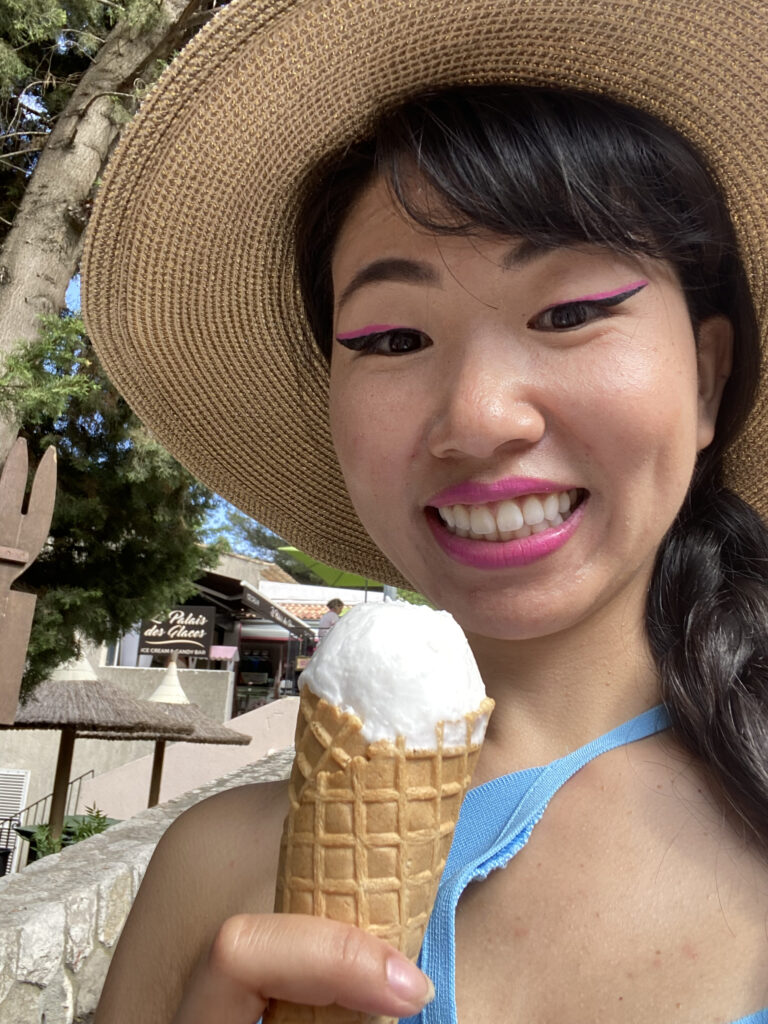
333	577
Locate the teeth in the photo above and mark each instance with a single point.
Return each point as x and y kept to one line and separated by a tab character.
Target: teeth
447	516
533	511
481	521
461	517
551	506
509	519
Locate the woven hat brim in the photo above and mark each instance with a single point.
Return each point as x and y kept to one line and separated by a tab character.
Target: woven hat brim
190	291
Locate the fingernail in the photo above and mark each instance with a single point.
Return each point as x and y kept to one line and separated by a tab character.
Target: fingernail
408	982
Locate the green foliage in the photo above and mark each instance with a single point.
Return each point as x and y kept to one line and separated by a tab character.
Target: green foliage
127	531
45	48
412	597
76	828
92	823
43	843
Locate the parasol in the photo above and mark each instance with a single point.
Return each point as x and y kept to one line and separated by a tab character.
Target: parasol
75	701
327	573
171	703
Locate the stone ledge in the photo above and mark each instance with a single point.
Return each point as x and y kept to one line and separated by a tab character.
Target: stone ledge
61	917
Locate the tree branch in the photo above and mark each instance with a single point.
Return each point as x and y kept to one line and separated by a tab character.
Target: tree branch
19	152
11	135
98	95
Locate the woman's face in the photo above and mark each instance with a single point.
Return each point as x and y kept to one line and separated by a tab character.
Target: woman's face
517	428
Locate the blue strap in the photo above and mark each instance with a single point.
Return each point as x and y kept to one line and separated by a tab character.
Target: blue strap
438	954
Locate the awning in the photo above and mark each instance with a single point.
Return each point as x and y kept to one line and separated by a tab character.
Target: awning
258	631
220	652
251	598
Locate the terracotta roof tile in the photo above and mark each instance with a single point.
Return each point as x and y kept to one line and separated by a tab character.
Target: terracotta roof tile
303	610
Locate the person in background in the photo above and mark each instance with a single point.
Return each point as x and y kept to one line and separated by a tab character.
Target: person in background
329	620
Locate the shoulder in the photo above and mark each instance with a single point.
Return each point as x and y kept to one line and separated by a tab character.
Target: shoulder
216	860
228	845
253	813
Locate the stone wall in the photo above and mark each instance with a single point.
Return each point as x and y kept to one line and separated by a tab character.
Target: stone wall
61	917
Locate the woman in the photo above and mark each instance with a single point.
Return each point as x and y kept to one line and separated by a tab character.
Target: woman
542	324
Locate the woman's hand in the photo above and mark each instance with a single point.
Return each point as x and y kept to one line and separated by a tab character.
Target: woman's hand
302	959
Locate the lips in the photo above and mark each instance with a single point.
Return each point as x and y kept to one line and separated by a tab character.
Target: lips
510	523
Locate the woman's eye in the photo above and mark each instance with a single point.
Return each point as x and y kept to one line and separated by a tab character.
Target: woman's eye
567	316
398	341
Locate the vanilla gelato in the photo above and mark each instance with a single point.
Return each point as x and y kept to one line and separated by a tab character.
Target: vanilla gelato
402	669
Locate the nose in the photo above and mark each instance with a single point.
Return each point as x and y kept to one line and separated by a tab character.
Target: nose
482	406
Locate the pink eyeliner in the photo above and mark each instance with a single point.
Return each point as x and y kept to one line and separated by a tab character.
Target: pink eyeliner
370	329
627	290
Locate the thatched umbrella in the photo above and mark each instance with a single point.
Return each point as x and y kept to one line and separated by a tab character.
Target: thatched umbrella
75	701
173	704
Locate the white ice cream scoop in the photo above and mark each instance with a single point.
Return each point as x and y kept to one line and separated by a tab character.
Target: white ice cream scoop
402	669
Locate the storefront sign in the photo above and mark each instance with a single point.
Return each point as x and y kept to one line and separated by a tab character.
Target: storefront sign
276	614
186	631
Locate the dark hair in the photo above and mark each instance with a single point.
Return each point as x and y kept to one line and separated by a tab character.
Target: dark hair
558	169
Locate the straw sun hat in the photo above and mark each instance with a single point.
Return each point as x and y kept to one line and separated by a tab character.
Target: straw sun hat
189	285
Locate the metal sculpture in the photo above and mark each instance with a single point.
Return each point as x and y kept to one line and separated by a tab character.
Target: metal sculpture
22	535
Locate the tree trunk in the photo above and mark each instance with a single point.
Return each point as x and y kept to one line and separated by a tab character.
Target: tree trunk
42	249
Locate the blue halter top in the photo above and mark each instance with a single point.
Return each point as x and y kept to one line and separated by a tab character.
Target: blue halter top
495	823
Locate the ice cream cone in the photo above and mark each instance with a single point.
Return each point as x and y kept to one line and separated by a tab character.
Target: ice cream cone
368	832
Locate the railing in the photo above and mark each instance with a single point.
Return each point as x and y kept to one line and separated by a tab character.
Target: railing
8	841
34	814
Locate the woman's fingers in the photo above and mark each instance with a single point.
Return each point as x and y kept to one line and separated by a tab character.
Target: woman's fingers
301	959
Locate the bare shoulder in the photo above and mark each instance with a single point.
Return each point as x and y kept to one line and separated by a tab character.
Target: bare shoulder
217	859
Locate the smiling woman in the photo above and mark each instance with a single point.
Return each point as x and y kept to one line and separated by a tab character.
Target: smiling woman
526	290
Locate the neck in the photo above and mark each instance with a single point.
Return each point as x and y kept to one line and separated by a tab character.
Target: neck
555	693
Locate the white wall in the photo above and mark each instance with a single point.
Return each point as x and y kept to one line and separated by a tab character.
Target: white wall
37	749
317	595
122	792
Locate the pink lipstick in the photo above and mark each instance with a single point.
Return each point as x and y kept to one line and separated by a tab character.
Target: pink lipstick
484	554
475	493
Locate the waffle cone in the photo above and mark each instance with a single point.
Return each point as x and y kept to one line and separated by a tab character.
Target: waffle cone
367	834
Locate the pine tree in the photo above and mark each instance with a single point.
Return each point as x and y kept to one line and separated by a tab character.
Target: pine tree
125	541
247	537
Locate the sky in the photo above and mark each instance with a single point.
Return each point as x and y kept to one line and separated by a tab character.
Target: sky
73	295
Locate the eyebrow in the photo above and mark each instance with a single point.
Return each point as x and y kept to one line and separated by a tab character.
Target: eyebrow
409	271
416	272
524	252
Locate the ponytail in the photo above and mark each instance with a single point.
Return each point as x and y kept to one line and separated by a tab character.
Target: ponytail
707	621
